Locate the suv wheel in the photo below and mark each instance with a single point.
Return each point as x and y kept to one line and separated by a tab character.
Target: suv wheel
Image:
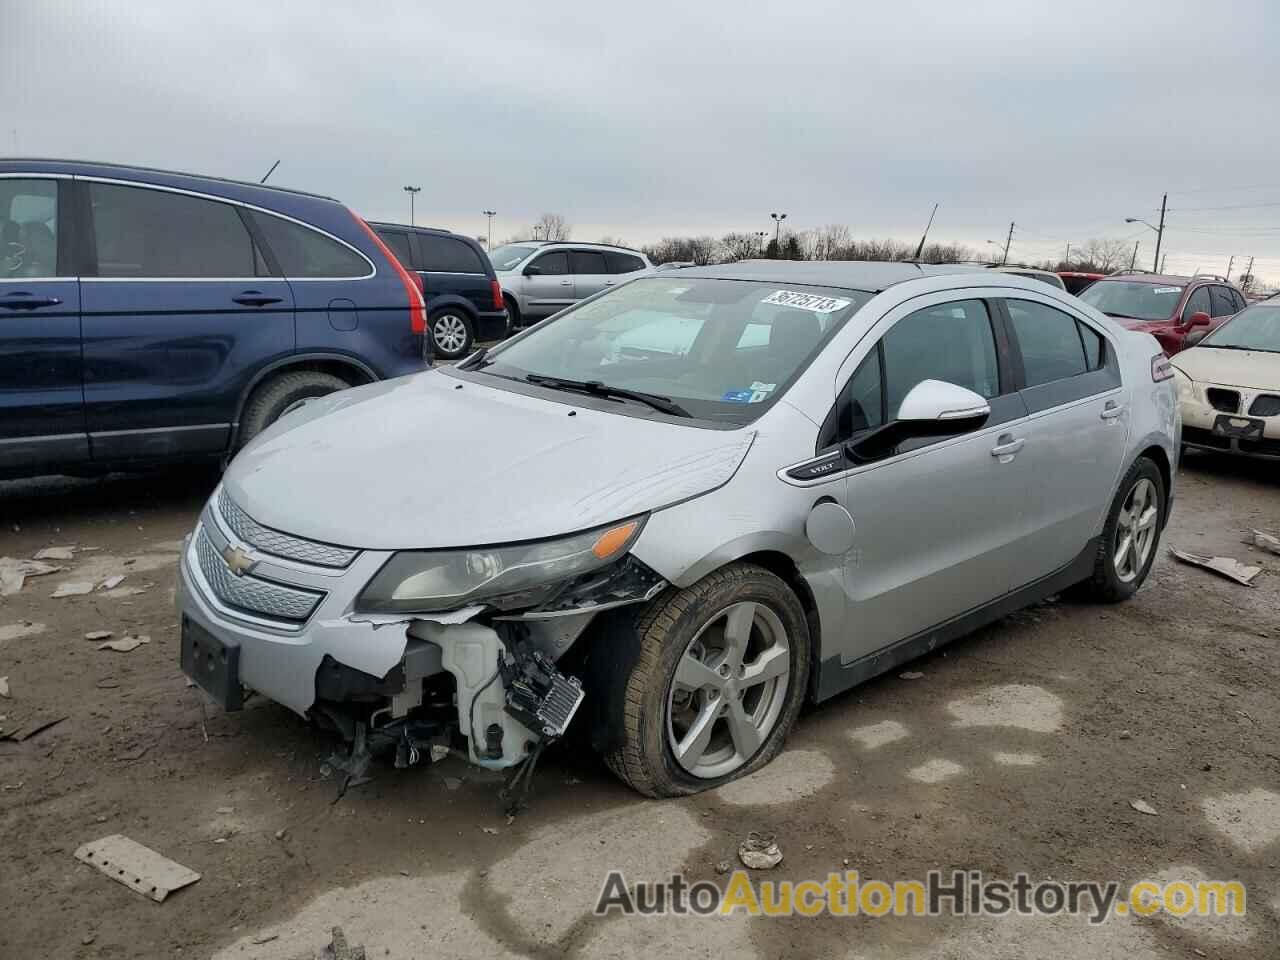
273	399
1130	536
451	334
714	686
513	314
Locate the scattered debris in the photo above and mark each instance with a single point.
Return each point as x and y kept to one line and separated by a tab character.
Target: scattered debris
1126	735
135	754
491	830
910	675
4	687
107	684
27	730
221	840
98	635
1264	541
452	783
258	941
57	553
759	851
724	866
88	938
23	628
73	588
13	573
1223	566
110	583
124	645
339	949
1143	807
282	833
137	867
225	811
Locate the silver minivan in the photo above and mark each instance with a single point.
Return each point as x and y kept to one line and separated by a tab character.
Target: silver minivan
741	488
541	277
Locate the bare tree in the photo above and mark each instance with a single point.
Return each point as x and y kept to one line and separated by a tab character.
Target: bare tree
551	226
704	250
1101	255
613	241
829	242
740	246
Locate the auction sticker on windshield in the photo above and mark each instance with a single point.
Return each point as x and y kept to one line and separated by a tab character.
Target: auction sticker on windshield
806	301
1167	290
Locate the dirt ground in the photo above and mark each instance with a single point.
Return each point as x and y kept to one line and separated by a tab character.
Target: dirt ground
1019	749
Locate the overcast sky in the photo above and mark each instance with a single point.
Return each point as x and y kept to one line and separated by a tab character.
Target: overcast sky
650	118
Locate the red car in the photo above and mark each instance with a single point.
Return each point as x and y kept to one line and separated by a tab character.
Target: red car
1177	311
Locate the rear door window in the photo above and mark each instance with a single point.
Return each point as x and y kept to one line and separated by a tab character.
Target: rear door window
1224	304
552	264
447	255
623	262
308	254
586	262
28	228
398	241
1198	302
1052	342
145	233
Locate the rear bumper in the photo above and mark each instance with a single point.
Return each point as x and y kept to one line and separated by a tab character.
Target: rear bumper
492	325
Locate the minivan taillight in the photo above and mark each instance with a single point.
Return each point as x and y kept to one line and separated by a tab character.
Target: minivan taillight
412	284
496	287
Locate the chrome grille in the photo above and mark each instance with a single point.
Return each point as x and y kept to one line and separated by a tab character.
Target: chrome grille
281	544
250	593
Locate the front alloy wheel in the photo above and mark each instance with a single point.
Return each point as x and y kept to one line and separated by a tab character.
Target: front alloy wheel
1135	533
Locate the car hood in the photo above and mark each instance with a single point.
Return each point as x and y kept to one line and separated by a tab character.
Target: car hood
433	460
1254	369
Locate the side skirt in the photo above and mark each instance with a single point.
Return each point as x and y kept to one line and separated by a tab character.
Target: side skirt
835	677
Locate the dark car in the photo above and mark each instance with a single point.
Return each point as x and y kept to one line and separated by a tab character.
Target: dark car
148	316
1077	280
464	299
1177	311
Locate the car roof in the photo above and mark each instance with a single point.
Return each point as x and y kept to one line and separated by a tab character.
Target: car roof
581	244
1162	279
872	276
437	231
94	168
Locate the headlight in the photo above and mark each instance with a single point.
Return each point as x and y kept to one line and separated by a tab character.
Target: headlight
520	575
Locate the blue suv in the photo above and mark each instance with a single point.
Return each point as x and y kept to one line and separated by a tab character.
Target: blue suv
148	316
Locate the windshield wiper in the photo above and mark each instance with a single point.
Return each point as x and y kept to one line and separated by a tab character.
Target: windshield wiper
1125	316
597	388
476	360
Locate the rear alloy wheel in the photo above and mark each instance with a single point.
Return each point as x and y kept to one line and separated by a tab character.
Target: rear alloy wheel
709	686
451	334
1130	535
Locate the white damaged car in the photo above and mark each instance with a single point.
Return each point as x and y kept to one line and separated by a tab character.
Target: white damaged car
676	512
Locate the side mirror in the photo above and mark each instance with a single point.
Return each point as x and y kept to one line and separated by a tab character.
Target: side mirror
1198	319
532	271
932	408
1194	337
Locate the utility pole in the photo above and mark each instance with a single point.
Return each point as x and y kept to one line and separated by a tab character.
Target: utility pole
1166	261
1249	272
920	248
490	214
1066	257
1008	240
1160	231
1230	263
412	192
1134	259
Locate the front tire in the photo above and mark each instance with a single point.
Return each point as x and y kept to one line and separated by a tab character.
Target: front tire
713	686
1130	536
452	334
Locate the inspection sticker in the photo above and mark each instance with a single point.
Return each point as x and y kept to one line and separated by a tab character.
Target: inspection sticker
1167	290
806	301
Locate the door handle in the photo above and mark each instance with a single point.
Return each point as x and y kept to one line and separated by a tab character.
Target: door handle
252	298
1111	410
566	283
610	283
1006	446
25	301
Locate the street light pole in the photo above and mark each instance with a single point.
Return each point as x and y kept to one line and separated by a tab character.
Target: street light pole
760	235
1160	231
490	214
1008	240
777	225
412	192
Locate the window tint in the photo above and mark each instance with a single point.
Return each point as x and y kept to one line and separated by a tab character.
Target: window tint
154	233
28	228
447	255
1224	304
1198	302
552	264
1095	348
303	252
584	261
951	342
399	244
623	263
1050	340
864	408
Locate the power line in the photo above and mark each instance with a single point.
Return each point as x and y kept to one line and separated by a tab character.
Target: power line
1236	206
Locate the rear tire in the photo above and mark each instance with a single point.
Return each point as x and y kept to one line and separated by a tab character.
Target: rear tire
681	676
513	311
1129	536
452	334
271	400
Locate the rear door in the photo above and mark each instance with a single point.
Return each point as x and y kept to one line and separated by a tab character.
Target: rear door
180	309
41	389
551	286
1076	432
590	272
1222	303
452	268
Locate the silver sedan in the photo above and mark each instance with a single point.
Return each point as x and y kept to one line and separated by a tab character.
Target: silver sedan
677	511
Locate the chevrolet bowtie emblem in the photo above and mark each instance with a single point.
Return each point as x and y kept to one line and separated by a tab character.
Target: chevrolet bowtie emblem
238	560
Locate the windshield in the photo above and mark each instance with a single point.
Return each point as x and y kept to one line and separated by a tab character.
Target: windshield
509	256
1254	328
1133	298
720	349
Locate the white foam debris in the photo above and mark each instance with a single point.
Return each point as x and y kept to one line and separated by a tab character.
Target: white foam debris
935	771
878	734
1010	705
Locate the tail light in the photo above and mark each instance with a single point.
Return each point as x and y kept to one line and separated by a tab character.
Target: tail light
1161	368
496	288
412	284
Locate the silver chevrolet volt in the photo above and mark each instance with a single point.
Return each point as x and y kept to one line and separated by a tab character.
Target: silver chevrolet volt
670	515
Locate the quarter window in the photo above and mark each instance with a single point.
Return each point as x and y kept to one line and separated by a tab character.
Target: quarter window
447	255
399	244
154	233
1198	302
951	342
1052	343
623	263
28	228
586	262
306	253
552	264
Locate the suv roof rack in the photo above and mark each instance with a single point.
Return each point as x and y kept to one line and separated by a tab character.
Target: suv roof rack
1210	276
